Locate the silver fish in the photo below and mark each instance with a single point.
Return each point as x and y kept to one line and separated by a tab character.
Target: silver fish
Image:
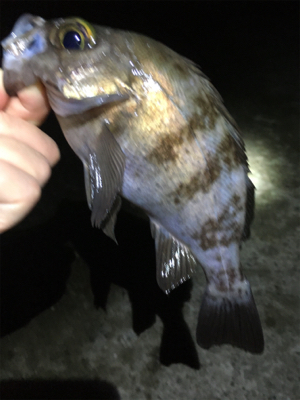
149	126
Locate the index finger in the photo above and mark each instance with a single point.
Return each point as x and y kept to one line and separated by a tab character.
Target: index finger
31	104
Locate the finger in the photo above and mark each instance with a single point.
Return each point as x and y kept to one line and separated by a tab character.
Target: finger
4	97
25	158
31	104
30	135
19	193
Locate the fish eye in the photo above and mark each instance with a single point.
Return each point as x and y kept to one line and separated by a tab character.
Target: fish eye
74	34
73	40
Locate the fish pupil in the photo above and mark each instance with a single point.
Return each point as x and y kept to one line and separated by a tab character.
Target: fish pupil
72	40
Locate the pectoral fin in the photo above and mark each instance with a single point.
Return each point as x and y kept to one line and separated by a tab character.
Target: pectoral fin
87	182
174	262
110	221
103	174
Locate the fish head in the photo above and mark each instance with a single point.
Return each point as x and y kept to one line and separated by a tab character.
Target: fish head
74	60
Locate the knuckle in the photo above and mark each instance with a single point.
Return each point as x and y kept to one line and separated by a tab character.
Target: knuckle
44	172
33	193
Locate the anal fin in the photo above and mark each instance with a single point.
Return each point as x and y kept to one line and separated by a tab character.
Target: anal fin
174	261
228	318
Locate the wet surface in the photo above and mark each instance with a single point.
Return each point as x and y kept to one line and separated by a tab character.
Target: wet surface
79	310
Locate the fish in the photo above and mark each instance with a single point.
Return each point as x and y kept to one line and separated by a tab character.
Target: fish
149	127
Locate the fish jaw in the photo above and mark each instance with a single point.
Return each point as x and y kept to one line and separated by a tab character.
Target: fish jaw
24	42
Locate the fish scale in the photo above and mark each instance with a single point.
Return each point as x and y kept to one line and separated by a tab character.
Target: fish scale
150	127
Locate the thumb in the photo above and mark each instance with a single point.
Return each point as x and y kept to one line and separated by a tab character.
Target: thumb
31	104
3	95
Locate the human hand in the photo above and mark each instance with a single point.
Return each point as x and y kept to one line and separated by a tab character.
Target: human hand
26	153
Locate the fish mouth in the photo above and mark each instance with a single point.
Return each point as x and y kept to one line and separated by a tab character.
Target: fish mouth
16	75
12	83
24	42
25	37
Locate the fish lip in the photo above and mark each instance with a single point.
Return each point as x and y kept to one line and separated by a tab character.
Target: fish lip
22	34
15	76
26	22
24	42
11	84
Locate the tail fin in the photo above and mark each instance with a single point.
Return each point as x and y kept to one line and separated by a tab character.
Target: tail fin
230	318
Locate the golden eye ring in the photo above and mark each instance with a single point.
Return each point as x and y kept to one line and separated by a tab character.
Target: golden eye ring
74	34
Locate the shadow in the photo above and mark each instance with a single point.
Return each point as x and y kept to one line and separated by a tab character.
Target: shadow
36	265
36	259
52	389
131	265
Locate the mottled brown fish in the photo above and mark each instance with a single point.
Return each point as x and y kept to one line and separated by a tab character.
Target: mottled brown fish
150	127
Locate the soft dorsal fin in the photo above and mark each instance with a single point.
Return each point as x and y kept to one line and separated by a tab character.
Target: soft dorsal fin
174	261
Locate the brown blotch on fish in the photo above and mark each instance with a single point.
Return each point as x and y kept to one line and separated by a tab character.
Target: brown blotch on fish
187	190
207	237
226	279
211	172
168	147
209	109
237	201
200	182
231	232
229	151
233	237
180	67
221	285
164	151
196	122
233	275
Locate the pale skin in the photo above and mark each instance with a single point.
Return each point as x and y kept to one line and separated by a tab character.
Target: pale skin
26	153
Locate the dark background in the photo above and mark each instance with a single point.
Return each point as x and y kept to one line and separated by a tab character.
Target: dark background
249	50
231	41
